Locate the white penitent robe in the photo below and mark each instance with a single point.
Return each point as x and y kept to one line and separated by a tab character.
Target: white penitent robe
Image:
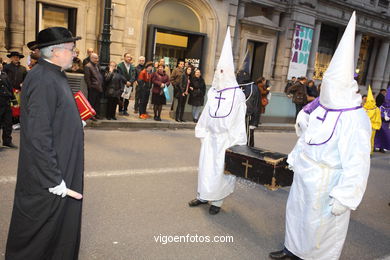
221	125
335	165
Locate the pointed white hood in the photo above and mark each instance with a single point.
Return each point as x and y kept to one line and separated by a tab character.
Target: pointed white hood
224	76
338	88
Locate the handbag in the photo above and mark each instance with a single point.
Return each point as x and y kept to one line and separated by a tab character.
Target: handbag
264	101
126	92
166	93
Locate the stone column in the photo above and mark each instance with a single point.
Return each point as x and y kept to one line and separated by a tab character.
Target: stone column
358	41
386	77
16	26
380	66
2	28
237	35
371	64
313	50
275	20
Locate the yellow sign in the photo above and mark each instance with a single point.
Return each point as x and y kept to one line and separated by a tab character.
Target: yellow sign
171	39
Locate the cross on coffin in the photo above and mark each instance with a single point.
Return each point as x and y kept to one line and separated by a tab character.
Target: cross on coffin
247	166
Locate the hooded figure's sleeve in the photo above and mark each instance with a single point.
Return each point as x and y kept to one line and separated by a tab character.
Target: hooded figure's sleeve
201	126
41	108
354	149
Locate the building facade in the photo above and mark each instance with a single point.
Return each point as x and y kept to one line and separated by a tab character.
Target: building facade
281	38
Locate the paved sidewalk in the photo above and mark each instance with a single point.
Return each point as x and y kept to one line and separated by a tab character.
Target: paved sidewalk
133	121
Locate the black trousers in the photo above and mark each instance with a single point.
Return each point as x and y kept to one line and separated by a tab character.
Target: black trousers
250	133
124	104
182	100
112	102
136	98
143	95
6	122
298	108
94	99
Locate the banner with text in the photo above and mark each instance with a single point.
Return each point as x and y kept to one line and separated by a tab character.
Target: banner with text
300	51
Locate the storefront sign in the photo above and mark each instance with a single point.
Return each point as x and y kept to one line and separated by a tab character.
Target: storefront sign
300	51
194	62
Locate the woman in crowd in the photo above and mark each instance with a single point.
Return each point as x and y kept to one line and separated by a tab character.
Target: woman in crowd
114	85
144	85
182	93
312	92
160	80
197	93
263	90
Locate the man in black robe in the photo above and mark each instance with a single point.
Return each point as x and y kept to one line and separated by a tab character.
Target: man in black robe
252	96
45	222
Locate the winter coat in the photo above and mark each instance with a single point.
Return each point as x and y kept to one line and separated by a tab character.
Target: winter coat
114	84
198	92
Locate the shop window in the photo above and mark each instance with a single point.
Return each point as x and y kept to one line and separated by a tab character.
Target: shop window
363	61
326	48
51	15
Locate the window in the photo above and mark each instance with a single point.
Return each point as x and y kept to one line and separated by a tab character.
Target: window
52	15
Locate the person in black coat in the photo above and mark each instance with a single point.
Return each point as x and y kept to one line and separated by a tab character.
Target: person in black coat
380	99
197	93
94	80
6	97
114	86
253	106
16	72
46	220
182	93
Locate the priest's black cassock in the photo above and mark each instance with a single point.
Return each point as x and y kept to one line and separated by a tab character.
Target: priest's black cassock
43	225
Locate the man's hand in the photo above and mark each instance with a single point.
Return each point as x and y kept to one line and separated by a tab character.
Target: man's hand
252	127
337	208
128	83
59	190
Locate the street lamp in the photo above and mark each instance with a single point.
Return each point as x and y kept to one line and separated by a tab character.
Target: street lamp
106	34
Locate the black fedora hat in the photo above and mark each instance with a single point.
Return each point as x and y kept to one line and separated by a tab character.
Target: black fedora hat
52	36
15	53
32	45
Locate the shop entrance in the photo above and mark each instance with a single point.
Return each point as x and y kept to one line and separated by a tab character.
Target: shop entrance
172	44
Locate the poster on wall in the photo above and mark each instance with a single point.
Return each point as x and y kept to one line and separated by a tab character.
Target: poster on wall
300	51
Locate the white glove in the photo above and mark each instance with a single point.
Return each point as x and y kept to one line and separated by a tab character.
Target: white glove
59	190
252	127
83	123
387	118
338	208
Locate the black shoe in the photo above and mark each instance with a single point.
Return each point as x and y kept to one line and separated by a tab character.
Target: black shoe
108	118
97	117
195	121
158	118
10	145
177	120
282	255
181	120
214	210
196	202
114	118
125	113
382	150
155	118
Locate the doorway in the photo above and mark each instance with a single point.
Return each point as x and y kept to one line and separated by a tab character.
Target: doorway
173	45
256	52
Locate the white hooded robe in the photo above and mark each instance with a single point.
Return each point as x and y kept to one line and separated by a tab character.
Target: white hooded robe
331	160
220	126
